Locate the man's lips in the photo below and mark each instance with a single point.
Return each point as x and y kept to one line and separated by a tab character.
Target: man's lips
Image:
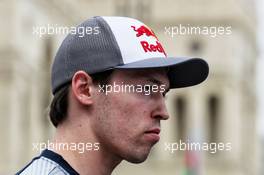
153	134
154	131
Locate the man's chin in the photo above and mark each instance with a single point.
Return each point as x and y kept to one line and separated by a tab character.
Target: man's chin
137	161
137	158
138	154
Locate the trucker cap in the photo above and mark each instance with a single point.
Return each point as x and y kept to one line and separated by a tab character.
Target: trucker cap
120	43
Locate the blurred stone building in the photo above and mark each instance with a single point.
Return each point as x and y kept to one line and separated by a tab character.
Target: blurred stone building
220	110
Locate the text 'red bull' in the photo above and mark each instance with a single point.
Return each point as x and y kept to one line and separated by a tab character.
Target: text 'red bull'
146	46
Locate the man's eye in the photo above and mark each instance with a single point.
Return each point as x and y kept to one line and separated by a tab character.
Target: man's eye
165	94
147	88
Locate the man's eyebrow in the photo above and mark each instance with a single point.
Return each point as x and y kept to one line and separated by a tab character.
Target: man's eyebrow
158	82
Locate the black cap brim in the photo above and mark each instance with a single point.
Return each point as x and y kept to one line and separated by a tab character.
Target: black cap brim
183	72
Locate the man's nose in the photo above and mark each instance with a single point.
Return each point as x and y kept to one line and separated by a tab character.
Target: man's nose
160	112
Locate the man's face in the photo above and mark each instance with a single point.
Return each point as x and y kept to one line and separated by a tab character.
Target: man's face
128	123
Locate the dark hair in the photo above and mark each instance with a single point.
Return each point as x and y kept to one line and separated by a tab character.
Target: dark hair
59	104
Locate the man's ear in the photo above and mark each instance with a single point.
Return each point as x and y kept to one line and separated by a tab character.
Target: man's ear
81	87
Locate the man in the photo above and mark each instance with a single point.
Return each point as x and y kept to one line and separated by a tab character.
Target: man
109	87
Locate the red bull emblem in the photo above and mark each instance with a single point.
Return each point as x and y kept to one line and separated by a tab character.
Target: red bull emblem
144	30
146	46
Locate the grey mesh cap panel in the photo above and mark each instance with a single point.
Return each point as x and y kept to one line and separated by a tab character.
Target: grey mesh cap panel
92	53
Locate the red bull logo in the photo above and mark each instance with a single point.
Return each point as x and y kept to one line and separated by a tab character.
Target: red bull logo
143	30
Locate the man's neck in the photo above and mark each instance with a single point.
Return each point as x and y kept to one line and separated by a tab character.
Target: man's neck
86	160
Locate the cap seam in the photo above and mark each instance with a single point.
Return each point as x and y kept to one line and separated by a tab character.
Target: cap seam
113	38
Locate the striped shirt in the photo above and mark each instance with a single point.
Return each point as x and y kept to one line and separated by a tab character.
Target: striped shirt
48	163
